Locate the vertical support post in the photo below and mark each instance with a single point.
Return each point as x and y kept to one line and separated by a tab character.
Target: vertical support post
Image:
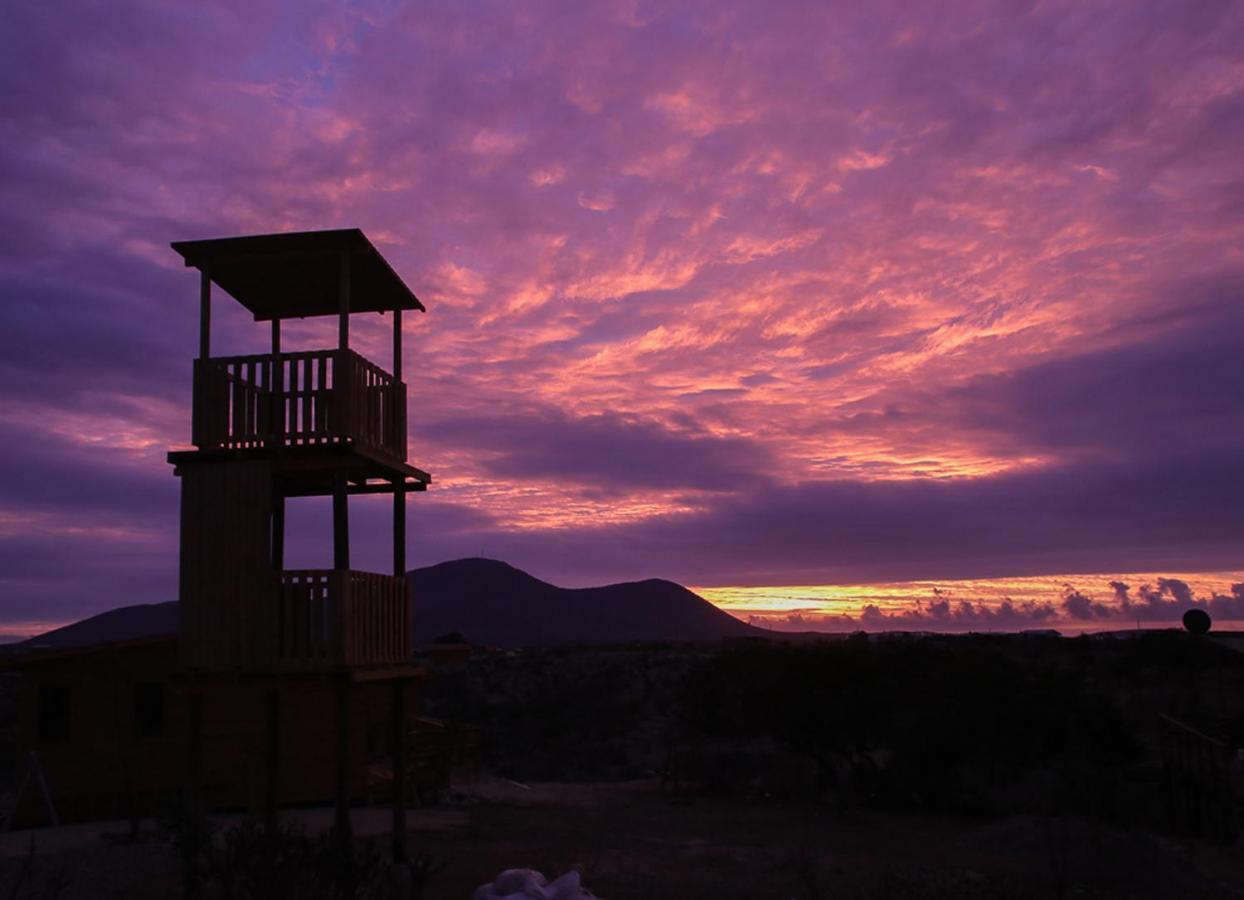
193	839
341	523
345	415
205	313
397	409
399	770
277	386
342	828
399	527
198	416
278	528
272	797
343	303
397	345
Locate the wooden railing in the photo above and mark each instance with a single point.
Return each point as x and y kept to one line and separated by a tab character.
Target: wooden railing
1197	769
297	399
327	618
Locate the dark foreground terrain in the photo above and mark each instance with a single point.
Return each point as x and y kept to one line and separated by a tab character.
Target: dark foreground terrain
897	767
632	840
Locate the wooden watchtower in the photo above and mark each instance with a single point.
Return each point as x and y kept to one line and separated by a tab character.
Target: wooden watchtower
272	426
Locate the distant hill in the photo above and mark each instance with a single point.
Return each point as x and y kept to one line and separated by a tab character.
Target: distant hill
122	624
489	602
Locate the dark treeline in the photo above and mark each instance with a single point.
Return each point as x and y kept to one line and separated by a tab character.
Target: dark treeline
968	725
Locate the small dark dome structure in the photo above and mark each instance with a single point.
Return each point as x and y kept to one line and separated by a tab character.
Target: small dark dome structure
1197	621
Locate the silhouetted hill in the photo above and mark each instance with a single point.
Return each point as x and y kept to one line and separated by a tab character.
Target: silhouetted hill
122	624
491	602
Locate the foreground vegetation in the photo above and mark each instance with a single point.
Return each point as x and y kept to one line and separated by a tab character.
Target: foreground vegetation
976	725
862	767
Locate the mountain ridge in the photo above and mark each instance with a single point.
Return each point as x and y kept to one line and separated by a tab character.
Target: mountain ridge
488	601
492	602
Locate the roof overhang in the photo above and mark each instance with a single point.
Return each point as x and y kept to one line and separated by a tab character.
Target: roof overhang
299	274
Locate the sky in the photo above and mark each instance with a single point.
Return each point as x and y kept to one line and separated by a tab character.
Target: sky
745	295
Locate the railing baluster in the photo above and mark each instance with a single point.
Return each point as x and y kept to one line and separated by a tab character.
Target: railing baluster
262	380
251	428
231	415
322	423
308	374
235	383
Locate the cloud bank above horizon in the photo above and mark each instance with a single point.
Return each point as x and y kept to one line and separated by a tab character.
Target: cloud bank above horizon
1070	604
728	295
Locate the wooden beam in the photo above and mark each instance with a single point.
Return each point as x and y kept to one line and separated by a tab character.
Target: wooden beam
343	302
341	523
278	529
399	387
400	728
192	841
205	313
397	345
272	798
342	830
353	489
277	397
399	528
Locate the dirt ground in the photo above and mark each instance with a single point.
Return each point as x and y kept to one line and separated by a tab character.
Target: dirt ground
631	840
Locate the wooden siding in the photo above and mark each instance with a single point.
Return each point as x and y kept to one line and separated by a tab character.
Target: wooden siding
105	768
228	585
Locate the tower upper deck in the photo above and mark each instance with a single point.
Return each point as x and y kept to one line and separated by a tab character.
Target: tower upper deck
331	405
271	426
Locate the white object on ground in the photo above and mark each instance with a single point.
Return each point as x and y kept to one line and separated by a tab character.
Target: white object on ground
528	884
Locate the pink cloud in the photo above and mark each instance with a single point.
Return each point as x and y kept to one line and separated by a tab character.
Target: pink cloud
796	248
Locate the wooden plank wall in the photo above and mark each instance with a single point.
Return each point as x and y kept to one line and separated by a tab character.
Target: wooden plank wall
104	769
228	587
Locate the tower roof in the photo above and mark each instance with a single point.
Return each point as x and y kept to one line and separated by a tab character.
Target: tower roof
297	274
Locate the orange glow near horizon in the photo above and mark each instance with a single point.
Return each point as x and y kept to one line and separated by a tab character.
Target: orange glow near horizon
836	608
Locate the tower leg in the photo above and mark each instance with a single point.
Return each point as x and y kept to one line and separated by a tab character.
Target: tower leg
399	528
399	728
194	801
272	801
341	523
342	828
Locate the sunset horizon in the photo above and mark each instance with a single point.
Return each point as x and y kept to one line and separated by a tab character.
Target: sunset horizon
1070	604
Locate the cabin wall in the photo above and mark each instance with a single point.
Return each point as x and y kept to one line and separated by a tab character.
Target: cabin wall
105	767
228	587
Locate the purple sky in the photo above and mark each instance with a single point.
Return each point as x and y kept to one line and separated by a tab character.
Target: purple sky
730	293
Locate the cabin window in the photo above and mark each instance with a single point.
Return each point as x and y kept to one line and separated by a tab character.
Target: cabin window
53	712
149	709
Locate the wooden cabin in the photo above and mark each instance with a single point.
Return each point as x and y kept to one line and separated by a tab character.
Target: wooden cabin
273	665
102	733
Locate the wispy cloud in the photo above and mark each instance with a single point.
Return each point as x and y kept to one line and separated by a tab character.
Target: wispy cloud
718	292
